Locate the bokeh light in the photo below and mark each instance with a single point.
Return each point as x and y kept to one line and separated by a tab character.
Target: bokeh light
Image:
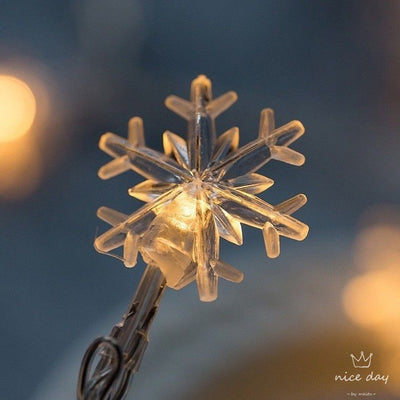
378	246
20	168
17	108
372	299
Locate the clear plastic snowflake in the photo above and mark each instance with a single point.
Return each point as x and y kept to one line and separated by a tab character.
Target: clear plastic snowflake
198	191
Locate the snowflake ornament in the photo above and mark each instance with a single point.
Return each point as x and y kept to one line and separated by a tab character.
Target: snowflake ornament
198	191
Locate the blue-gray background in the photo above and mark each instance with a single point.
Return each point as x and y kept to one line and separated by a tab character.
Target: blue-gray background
333	65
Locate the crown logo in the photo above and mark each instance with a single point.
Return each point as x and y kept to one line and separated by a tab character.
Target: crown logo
362	361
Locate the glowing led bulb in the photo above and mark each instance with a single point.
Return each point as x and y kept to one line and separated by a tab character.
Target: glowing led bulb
169	241
198	191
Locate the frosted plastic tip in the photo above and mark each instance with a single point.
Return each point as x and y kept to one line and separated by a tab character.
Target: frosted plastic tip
136	132
271	240
220	104
227	272
114	167
207	284
131	249
179	106
292	205
287	155
111	216
267	122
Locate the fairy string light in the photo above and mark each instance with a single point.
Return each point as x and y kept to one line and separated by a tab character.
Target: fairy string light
197	191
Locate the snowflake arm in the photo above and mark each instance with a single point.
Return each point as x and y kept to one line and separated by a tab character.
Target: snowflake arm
176	146
226	143
199	190
250	183
138	222
147	162
255	212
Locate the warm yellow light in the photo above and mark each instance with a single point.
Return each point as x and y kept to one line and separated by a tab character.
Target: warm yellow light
373	299
377	247
17	108
20	168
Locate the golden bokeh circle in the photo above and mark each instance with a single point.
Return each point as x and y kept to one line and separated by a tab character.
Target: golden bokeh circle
17	108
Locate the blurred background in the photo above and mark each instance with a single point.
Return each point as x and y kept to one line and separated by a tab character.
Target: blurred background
72	70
